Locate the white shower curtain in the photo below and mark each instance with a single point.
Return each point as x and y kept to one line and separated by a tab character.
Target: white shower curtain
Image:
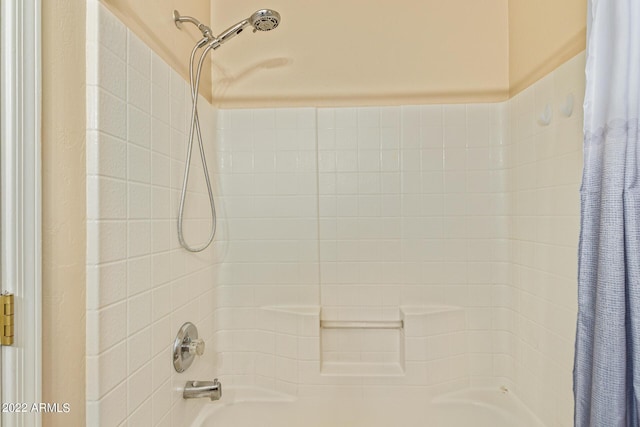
607	361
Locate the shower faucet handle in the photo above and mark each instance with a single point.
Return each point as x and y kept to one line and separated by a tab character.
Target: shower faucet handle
186	347
196	347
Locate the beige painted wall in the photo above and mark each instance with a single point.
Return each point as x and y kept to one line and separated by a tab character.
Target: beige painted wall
152	21
543	34
418	52
63	209
358	53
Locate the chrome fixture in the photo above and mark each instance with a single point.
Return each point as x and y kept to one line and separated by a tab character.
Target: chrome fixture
196	389
261	20
265	20
186	346
179	19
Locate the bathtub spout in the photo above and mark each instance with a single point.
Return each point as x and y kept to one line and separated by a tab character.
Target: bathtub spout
210	389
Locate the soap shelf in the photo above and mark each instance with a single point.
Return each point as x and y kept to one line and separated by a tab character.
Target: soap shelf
362	348
361	324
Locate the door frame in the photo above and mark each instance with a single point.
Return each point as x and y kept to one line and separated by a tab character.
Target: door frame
21	218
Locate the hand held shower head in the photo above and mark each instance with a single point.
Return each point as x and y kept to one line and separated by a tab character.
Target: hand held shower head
230	33
261	20
265	20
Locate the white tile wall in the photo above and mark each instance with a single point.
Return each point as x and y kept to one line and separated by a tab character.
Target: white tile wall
405	214
141	286
472	206
545	218
400	206
268	243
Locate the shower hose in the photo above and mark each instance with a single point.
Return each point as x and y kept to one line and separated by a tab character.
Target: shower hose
194	130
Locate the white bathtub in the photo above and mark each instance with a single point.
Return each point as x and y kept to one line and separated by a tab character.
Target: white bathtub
475	407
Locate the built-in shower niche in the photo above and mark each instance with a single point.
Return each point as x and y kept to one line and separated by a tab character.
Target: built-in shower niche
418	334
298	347
362	347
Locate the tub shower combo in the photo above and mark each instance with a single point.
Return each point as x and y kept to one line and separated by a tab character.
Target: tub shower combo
303	343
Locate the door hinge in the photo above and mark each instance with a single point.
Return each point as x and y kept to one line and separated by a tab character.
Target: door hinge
6	319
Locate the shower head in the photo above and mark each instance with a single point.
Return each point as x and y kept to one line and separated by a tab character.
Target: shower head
261	20
264	20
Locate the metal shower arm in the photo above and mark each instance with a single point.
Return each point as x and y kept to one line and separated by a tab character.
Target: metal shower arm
179	19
